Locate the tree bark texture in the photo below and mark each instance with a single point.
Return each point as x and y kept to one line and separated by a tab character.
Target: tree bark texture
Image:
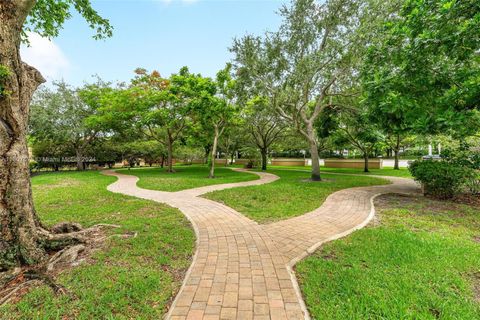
214	151
365	158
312	140
264	158
396	150
79	157
23	241
170	154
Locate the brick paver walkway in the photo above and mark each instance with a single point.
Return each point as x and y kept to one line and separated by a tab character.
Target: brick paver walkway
243	270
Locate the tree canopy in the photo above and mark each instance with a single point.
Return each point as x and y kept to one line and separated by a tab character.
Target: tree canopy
423	70
48	16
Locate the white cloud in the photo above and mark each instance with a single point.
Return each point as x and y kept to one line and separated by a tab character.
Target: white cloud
167	2
46	56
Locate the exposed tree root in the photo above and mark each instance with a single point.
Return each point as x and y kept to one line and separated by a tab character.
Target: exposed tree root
8	276
66	227
66	256
8	294
68	245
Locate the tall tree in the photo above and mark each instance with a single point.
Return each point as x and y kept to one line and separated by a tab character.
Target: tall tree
395	141
424	66
264	125
355	127
152	106
223	112
215	108
303	66
316	45
233	139
61	116
161	107
23	240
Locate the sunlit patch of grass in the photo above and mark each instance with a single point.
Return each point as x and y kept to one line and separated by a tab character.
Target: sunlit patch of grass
420	262
292	195
185	177
386	171
132	278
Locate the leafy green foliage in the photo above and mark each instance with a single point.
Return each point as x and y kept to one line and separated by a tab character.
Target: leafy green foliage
310	63
59	114
463	156
264	125
468	158
352	128
214	108
48	16
441	179
59	123
423	70
189	152
151	107
459	170
212	102
134	151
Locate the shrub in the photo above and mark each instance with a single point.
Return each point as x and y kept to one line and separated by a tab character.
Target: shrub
33	165
473	182
251	164
468	158
463	157
441	179
252	155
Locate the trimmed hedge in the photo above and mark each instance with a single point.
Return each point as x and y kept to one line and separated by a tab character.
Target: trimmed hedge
441	179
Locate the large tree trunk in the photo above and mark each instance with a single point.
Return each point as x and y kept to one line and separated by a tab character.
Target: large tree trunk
207	154
79	157
22	238
314	153
396	165
211	175
365	166
263	151
170	154
19	240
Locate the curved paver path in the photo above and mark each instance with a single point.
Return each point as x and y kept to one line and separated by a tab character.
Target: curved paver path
243	270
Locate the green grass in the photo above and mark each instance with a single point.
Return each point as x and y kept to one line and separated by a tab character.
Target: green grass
422	262
386	171
290	196
185	177
131	278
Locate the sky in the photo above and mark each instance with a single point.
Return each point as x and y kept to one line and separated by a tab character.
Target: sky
162	35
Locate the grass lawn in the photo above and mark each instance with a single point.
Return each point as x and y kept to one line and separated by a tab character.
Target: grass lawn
290	196
132	278
185	177
386	171
421	261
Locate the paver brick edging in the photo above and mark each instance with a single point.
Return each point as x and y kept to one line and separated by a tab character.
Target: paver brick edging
261	257
316	246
